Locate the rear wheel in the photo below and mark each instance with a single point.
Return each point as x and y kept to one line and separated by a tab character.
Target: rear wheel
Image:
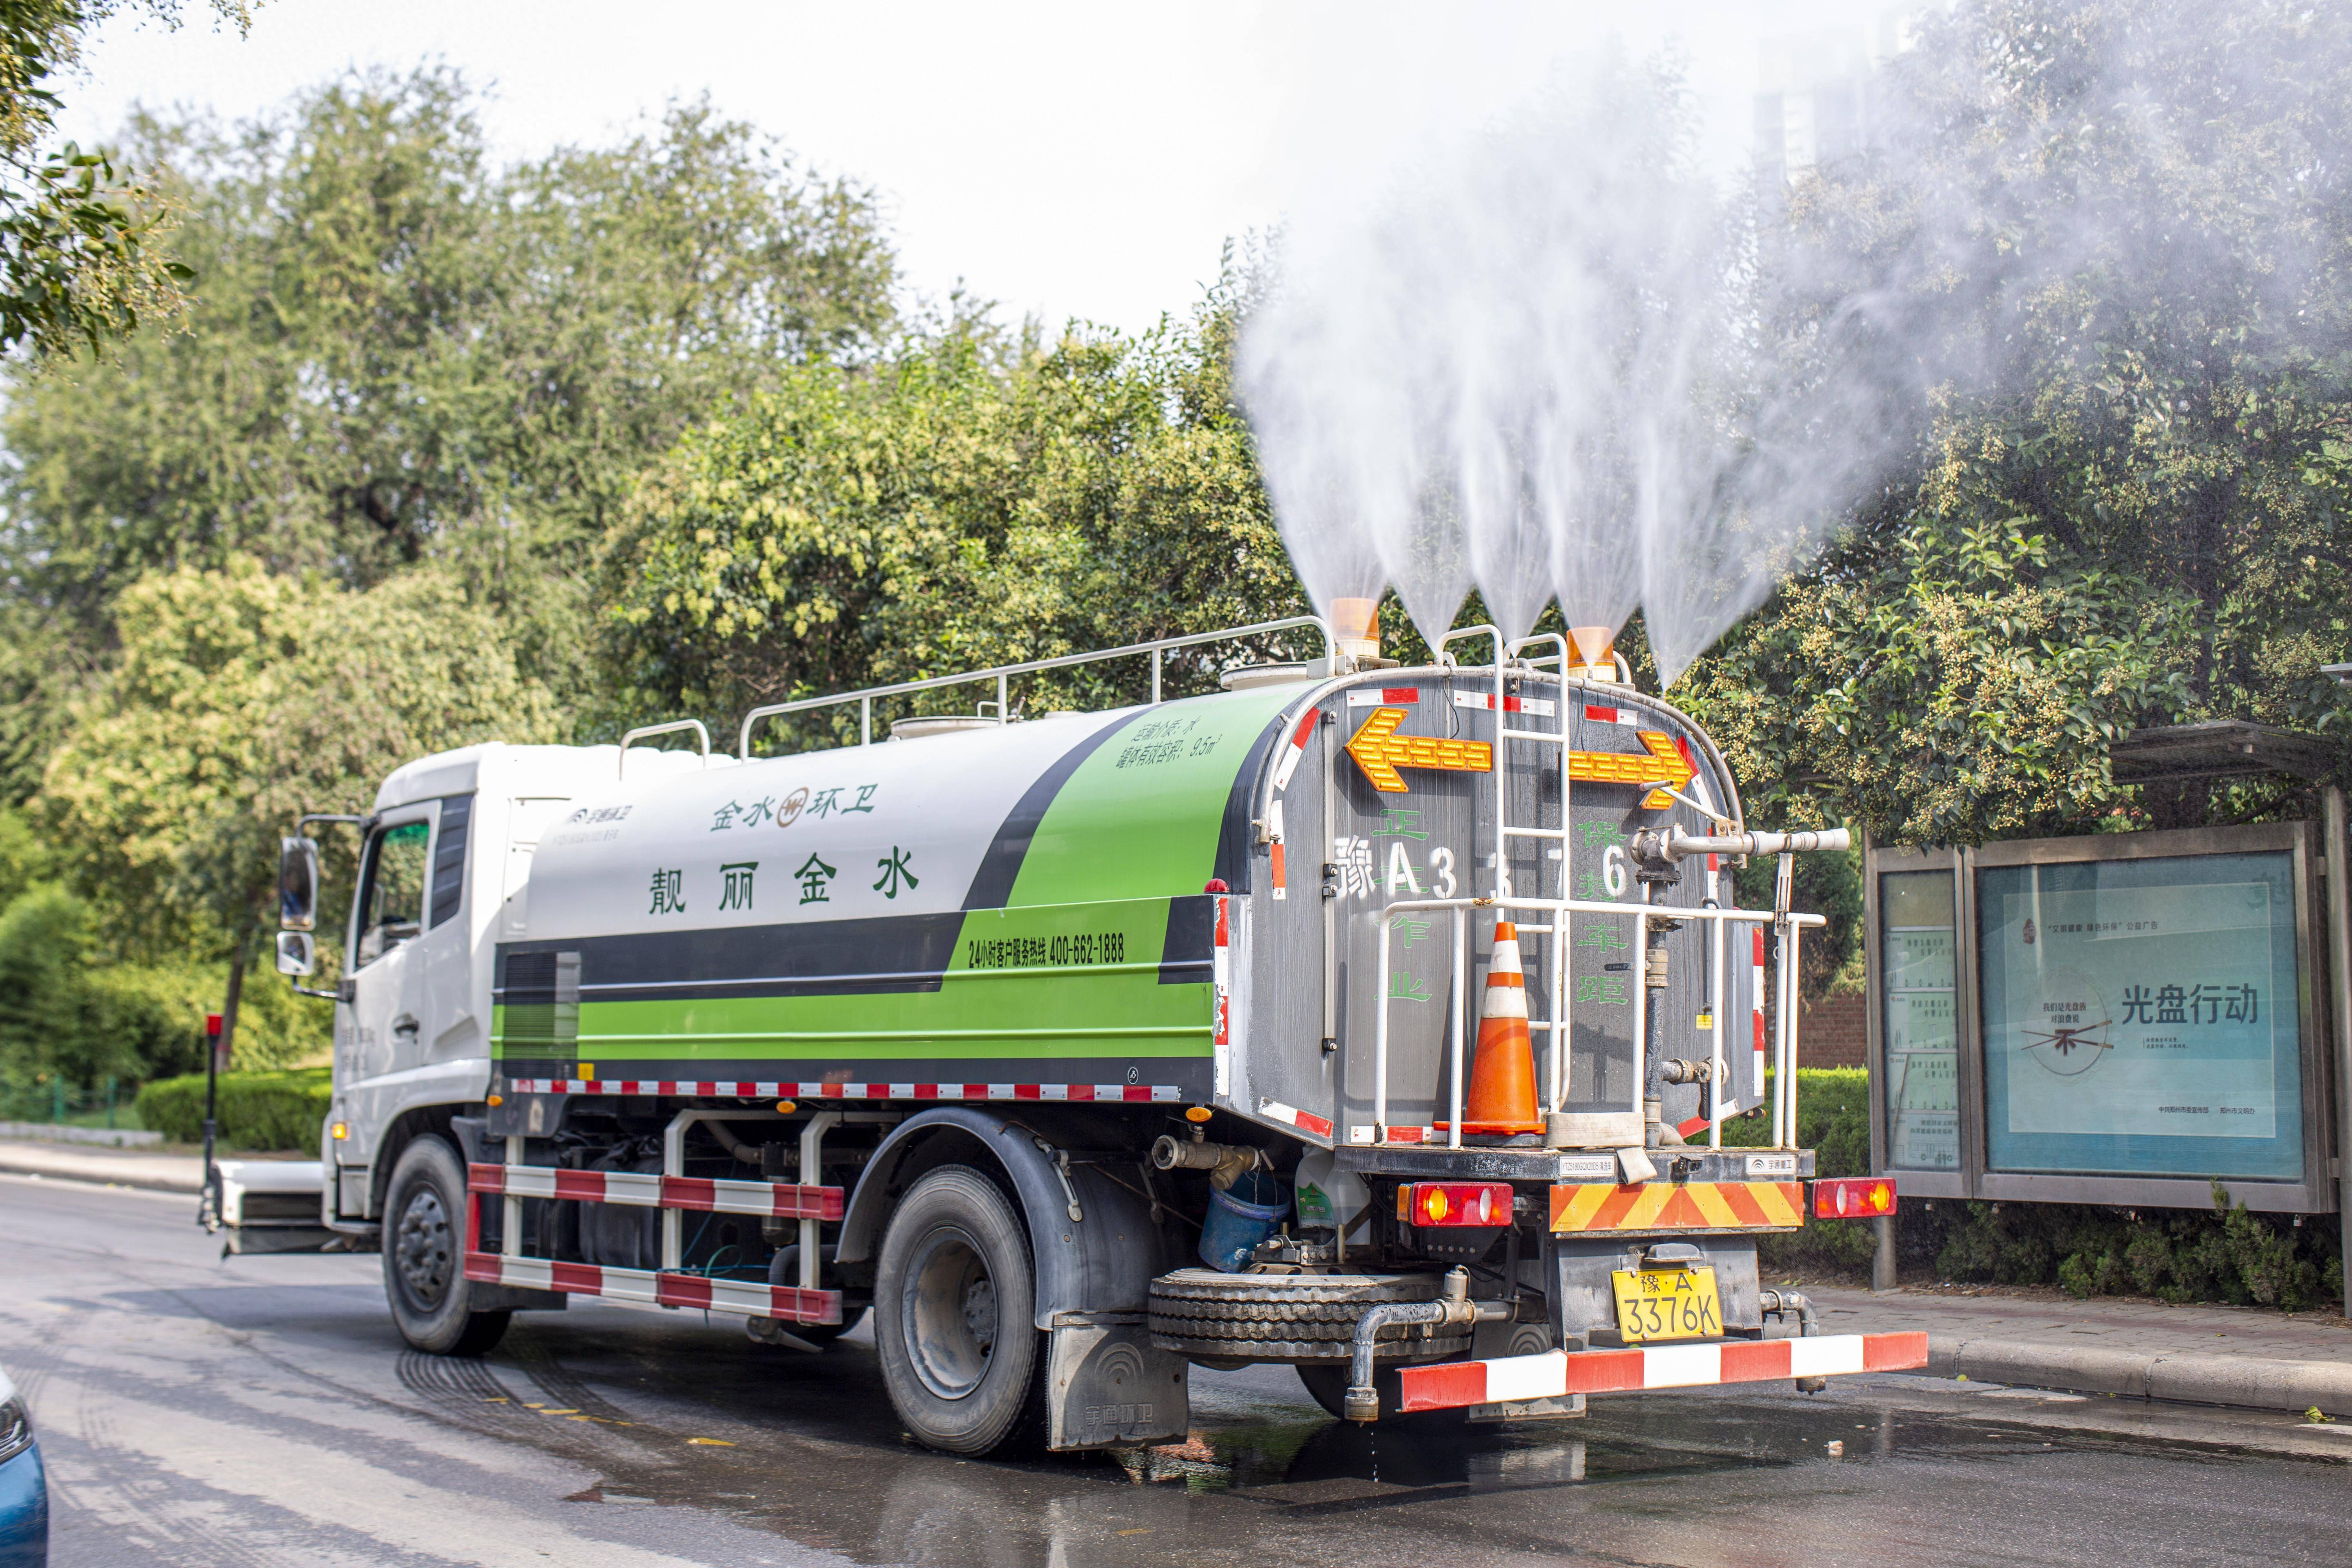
424	1254
954	1313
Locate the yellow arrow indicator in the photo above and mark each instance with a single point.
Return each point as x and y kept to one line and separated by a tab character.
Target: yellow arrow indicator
1380	751
1663	763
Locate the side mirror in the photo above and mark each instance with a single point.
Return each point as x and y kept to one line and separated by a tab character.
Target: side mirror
294	953
298	893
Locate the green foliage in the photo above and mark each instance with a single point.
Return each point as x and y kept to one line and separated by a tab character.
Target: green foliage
1826	885
2135	514
2224	1254
262	1111
81	255
955	506
399	353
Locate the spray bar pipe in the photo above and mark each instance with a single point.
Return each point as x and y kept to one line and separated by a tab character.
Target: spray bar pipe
1681	845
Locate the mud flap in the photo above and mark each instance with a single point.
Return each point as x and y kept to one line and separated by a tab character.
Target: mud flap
1491	1340
1107	1384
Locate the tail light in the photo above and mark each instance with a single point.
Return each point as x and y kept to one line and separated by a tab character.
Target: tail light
1854	1197
1454	1203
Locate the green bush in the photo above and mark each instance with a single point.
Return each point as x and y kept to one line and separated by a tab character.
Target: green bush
2222	1254
1833	1121
258	1111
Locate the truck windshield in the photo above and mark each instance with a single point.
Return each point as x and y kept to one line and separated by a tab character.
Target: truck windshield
392	906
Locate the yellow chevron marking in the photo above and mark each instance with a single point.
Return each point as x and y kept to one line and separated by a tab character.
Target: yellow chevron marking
1664	1205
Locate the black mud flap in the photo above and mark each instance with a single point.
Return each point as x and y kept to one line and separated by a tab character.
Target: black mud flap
1107	1384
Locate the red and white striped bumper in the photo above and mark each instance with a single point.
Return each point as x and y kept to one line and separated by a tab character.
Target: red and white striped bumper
1555	1373
752	1297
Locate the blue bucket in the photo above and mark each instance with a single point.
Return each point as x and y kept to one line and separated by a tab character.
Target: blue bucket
1241	1217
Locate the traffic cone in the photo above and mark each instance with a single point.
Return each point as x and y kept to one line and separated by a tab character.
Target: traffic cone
1502	1095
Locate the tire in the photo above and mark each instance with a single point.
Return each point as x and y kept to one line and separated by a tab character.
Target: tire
1201	1313
954	1309
423	1254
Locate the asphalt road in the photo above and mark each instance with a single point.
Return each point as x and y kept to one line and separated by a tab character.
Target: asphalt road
260	1411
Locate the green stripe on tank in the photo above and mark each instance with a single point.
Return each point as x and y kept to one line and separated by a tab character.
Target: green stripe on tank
1141	817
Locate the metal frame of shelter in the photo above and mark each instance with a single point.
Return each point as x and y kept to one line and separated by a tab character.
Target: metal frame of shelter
2323	891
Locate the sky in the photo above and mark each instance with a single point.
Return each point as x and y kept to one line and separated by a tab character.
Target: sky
1065	159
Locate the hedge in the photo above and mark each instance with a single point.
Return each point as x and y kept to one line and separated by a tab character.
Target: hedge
258	1111
1833	1121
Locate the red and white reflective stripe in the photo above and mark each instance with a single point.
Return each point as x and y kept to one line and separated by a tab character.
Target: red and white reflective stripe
1599	715
1386	697
752	1297
1221	997
645	1189
1756	1086
1541	707
1305	1120
1275	837
1556	1373
1297	747
1132	1093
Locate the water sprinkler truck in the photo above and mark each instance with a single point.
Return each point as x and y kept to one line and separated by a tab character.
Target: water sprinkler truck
1379	1021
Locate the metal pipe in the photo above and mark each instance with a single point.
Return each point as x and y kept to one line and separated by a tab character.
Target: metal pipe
812	1175
510	1211
1461	985
1381	1038
1777	1303
1680	846
1454	1307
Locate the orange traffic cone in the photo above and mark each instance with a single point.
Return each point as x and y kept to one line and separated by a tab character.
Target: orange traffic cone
1502	1095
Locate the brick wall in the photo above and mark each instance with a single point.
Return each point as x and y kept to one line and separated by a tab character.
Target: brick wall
1832	1032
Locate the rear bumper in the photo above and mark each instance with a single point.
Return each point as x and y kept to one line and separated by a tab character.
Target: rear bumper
1506	1379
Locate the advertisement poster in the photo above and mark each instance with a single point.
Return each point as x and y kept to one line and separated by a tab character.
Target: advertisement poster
2141	1016
1921	1021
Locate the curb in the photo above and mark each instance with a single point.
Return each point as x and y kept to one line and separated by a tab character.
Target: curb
122	1171
2250	1381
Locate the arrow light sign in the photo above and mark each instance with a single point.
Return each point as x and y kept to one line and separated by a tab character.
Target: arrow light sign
1380	751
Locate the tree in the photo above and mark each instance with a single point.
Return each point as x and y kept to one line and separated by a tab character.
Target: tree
964	503
397	352
2118	234
81	259
242	700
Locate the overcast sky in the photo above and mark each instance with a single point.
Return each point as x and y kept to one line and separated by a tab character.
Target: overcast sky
1066	159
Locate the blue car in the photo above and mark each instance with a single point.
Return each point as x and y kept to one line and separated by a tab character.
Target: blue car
24	1489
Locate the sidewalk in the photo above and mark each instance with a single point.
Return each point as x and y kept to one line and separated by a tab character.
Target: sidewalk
2139	1348
121	1167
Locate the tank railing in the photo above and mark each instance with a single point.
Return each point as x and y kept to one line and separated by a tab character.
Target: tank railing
675	726
1558	912
1002	675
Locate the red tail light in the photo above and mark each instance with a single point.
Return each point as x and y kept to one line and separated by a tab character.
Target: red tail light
1454	1203
1854	1197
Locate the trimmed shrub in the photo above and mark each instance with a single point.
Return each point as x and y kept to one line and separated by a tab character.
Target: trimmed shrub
262	1111
1833	1121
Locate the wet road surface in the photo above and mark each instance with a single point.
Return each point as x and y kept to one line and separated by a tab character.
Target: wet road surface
261	1411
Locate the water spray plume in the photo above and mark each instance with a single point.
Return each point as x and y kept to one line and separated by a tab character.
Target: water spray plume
1546	357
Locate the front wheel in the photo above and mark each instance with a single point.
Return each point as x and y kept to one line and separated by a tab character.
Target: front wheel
954	1310
424	1254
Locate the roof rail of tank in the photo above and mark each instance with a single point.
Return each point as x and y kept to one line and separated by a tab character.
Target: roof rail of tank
702	737
1003	673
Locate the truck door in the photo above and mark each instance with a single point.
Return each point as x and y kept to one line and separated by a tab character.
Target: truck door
386	1027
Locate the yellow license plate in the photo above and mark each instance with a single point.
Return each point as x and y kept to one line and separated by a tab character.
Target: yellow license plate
1667	1304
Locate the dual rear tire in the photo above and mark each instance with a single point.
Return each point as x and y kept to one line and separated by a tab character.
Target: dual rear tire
955	1316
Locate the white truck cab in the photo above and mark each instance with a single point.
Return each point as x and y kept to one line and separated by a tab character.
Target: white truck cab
444	870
